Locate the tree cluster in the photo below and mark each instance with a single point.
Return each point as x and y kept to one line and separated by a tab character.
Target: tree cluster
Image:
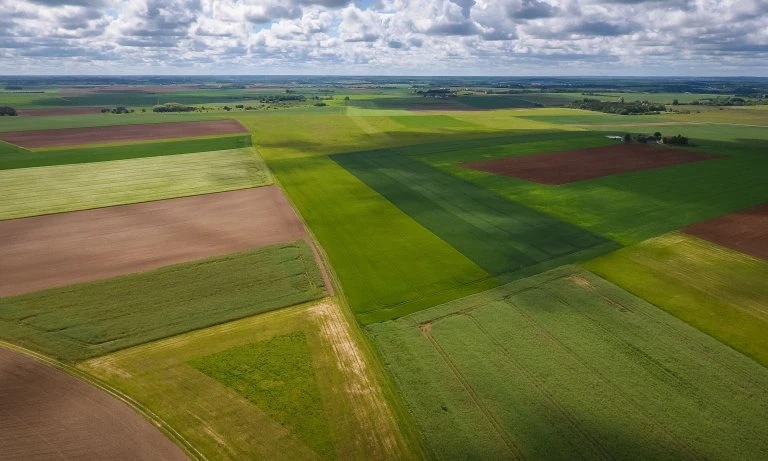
117	110
173	107
620	108
10	111
678	140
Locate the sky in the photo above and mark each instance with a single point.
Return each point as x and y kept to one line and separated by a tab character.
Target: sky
385	37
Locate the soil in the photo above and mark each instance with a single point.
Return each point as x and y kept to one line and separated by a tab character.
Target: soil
745	231
61	249
121	133
590	163
59	111
46	414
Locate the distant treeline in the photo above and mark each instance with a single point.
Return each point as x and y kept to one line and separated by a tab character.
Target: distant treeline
173	107
621	108
5	110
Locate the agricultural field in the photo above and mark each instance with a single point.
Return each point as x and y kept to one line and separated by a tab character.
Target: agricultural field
60	188
85	320
565	365
717	290
291	384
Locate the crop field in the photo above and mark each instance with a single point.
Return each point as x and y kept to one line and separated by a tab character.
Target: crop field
122	133
51	122
95	318
577	165
55	189
51	251
719	291
744	230
564	365
15	157
500	236
291	384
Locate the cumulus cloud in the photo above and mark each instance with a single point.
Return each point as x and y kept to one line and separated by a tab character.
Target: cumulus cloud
384	36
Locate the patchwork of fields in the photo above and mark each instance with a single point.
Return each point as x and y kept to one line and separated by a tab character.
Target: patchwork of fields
564	365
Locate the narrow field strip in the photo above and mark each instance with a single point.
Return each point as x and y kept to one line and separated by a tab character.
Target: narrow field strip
572	367
120	133
90	319
56	189
289	384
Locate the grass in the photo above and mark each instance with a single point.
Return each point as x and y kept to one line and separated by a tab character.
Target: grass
500	236
276	375
388	264
60	188
21	158
95	318
295	383
8	150
717	290
51	122
564	365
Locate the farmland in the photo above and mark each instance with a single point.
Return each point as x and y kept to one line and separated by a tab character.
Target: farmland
94	318
286	373
59	188
565	365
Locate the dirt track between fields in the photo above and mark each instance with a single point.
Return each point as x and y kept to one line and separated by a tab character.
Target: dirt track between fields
61	249
46	414
745	231
577	165
120	133
59	111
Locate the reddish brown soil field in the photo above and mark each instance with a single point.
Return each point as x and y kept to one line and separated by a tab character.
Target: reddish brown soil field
596	162
59	111
46	414
61	249
745	231
121	133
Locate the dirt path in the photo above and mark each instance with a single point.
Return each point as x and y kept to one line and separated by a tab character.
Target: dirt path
61	249
46	414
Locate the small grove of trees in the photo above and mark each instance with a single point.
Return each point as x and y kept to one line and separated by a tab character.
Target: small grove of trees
656	137
117	110
621	108
173	107
9	111
679	140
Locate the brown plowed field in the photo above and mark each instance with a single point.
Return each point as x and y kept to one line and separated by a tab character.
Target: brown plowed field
121	133
745	231
595	162
46	414
62	249
59	111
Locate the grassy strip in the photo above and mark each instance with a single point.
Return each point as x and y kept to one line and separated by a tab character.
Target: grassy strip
500	236
564	365
388	264
60	188
90	319
8	150
719	291
50	122
22	158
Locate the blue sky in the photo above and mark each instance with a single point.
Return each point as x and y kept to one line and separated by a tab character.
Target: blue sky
385	37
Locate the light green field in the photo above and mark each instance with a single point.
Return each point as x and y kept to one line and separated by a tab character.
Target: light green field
717	290
90	319
55	189
564	365
290	384
84	120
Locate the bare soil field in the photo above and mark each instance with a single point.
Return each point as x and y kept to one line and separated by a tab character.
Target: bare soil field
121	133
59	111
47	414
589	163
745	231
61	249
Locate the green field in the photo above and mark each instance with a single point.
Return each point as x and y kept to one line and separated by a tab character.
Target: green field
564	365
719	291
51	122
283	385
21	158
95	318
55	189
503	237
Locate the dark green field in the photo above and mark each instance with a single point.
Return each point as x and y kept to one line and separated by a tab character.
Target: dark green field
90	319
